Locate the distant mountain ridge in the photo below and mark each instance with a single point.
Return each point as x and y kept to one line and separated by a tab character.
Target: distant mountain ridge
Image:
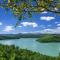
21	35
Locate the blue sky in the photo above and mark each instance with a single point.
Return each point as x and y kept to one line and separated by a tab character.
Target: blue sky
45	22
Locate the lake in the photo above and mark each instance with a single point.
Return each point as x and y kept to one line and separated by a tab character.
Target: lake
51	49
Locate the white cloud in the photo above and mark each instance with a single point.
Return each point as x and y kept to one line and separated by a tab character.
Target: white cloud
33	24
47	18
58	24
19	26
46	31
52	31
8	28
0	23
58	28
45	12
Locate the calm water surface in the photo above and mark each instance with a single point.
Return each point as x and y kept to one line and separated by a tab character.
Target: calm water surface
51	49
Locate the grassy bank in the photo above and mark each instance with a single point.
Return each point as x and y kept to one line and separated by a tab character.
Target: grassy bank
49	38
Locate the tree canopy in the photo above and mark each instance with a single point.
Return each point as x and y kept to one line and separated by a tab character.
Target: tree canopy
20	7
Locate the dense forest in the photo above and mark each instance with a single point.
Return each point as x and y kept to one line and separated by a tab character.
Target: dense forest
49	38
15	53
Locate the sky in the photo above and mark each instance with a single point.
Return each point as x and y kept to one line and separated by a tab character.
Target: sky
45	22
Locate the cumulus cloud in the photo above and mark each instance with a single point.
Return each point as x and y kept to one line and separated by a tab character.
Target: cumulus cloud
46	31
47	18
58	24
0	23
8	28
51	31
19	26
45	12
33	24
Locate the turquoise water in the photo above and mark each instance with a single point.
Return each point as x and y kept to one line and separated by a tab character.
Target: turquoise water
51	49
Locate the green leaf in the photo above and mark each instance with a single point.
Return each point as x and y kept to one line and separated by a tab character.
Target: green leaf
29	14
17	23
30	0
16	1
20	17
4	0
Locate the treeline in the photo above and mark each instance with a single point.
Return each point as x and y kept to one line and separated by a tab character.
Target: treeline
15	53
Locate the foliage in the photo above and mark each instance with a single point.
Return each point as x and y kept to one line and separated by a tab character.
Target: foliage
21	7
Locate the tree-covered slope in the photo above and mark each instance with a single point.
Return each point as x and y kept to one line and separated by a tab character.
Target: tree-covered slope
49	38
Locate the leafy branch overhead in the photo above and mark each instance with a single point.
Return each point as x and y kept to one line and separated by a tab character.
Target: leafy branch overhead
20	7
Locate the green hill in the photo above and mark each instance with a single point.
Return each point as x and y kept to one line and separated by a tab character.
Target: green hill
49	38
